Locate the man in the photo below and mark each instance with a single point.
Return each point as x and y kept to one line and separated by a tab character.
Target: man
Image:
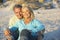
18	15
13	32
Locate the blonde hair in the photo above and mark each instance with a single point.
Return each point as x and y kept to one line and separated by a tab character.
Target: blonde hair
31	12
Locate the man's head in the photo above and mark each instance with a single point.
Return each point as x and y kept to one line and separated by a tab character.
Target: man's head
18	11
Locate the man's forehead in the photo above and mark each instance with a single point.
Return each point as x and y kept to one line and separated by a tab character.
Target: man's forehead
17	8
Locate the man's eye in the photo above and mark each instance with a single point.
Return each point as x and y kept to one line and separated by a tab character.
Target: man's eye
16	12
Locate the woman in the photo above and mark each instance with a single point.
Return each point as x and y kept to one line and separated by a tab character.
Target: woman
29	27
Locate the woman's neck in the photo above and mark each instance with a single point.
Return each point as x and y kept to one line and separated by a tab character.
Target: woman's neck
27	20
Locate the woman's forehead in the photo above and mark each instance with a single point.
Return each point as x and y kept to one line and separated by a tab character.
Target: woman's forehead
25	9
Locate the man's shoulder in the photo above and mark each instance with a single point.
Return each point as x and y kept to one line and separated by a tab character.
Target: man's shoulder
13	20
13	17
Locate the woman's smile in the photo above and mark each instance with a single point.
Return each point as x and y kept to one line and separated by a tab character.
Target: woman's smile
26	13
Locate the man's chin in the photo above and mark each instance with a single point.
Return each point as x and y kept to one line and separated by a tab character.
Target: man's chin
20	18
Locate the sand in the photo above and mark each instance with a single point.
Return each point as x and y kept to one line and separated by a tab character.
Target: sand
50	18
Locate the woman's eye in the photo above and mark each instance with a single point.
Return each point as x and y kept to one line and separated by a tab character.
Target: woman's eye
22	12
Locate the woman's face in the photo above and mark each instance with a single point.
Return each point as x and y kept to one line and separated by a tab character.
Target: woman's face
26	13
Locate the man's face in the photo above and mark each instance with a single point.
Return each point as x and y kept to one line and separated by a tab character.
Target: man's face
18	12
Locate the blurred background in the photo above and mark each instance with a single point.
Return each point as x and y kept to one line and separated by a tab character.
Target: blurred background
35	4
47	11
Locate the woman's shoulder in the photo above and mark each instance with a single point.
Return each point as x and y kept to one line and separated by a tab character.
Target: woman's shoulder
19	21
37	21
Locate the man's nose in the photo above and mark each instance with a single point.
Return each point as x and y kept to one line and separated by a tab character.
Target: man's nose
20	13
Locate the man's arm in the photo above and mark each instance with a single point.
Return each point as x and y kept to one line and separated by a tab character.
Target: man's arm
11	22
7	34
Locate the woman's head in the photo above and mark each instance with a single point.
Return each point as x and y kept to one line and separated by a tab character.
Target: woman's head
27	12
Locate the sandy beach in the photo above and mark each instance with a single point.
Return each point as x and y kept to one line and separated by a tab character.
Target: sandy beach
50	18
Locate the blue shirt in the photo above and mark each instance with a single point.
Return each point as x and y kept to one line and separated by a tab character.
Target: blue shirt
34	26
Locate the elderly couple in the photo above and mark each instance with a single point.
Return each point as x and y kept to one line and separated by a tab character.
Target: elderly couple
23	26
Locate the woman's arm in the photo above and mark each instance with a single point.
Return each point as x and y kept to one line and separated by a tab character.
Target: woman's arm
38	26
